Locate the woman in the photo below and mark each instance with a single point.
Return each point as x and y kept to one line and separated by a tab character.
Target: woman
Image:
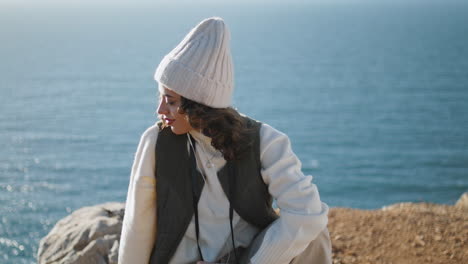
204	177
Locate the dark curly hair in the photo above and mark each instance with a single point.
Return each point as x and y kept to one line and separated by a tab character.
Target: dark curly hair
225	126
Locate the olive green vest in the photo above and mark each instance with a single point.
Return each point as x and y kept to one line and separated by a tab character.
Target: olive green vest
174	197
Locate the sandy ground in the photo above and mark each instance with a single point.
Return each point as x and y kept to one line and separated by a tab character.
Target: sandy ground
416	233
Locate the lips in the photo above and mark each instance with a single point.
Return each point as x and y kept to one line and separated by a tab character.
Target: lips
169	121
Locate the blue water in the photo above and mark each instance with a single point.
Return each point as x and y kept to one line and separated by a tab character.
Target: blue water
373	96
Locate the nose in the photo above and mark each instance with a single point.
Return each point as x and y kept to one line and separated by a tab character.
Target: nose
162	109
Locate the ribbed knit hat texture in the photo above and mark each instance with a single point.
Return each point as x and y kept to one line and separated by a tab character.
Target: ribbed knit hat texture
200	67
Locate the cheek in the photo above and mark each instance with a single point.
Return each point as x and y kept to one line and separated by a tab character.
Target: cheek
177	115
182	124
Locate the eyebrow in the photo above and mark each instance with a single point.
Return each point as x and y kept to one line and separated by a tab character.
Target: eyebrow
168	95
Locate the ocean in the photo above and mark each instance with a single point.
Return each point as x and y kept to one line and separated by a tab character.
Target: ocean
374	97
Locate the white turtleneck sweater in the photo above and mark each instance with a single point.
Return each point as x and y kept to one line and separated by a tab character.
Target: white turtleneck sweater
303	215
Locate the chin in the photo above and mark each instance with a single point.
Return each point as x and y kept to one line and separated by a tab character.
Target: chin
178	131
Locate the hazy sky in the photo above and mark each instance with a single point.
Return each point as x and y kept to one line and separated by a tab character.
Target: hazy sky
46	3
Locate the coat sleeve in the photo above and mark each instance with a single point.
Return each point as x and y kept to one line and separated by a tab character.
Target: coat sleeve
303	215
139	223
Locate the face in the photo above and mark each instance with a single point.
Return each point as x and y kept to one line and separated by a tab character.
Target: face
169	103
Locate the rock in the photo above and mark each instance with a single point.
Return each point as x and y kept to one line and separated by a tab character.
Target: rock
463	201
419	241
88	235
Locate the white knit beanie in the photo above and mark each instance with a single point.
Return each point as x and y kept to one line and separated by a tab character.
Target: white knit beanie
200	67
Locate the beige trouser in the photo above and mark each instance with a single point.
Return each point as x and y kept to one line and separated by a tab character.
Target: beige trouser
317	252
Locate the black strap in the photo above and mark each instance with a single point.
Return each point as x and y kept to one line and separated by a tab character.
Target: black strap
232	184
194	196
